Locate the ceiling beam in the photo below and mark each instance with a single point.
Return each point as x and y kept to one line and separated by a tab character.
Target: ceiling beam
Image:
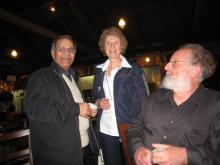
21	46
106	12
7	63
26	24
37	8
84	21
33	27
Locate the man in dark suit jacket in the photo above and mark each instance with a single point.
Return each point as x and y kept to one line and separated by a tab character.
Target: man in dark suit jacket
52	111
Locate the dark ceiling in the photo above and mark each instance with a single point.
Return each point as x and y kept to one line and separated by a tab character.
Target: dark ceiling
152	25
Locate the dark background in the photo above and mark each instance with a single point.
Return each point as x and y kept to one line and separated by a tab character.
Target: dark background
152	26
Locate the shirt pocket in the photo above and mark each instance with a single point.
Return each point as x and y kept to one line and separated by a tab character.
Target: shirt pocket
193	135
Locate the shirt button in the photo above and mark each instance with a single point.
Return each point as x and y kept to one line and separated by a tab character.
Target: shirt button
171	122
164	137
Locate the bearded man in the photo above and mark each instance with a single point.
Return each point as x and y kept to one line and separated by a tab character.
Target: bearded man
179	123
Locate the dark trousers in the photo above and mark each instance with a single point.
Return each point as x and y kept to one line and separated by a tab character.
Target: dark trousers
112	151
88	157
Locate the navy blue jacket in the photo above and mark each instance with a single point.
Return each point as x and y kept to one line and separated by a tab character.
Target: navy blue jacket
129	91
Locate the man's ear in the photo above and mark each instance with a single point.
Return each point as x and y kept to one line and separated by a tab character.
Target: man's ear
197	71
52	53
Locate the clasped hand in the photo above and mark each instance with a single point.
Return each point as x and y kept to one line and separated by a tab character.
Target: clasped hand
162	155
86	111
104	103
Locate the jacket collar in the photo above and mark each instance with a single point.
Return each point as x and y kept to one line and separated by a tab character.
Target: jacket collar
60	71
124	63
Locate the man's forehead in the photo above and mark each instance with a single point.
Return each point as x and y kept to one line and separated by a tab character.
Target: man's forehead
181	54
64	41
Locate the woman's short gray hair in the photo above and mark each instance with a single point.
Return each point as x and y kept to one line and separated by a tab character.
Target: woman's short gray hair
115	32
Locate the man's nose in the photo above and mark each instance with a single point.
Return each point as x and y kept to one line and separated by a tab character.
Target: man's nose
168	66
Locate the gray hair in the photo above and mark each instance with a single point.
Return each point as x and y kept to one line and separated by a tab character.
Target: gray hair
203	58
60	37
115	32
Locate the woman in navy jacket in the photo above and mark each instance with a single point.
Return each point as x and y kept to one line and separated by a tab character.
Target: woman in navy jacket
118	90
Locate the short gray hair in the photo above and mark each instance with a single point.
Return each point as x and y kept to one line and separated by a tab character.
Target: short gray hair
60	37
115	32
202	57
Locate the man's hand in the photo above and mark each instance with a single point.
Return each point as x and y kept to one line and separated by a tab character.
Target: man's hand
142	156
94	109
168	155
85	111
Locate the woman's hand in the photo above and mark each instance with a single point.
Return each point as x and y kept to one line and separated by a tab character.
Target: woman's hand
103	103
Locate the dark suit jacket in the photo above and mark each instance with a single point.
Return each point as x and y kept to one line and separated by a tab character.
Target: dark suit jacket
53	117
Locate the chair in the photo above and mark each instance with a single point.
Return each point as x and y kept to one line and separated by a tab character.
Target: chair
21	154
122	131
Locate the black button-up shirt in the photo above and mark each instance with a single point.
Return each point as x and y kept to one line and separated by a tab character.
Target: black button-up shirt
194	124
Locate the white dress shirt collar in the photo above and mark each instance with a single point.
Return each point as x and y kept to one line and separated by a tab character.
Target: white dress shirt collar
124	63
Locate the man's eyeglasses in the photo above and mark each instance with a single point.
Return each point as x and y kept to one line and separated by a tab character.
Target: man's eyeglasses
174	62
63	49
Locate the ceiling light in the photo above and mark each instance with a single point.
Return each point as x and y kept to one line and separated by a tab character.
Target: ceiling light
121	23
147	59
52	8
14	53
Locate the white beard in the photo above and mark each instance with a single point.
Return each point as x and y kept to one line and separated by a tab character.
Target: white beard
178	83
